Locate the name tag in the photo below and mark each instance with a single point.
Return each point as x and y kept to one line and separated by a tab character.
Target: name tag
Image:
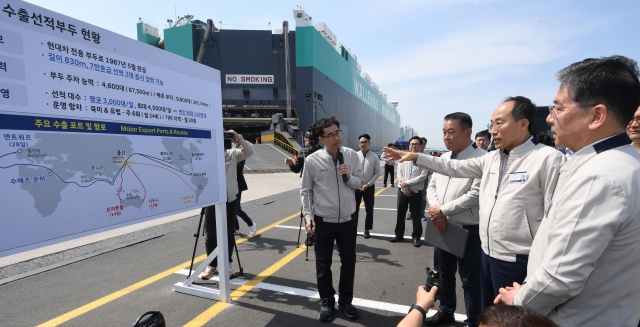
518	178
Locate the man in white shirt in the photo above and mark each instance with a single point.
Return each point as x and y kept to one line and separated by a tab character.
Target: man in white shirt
584	264
370	173
514	183
455	201
329	178
633	130
483	139
411	183
389	167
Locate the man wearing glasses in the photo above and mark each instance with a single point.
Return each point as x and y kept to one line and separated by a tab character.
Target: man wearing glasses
515	183
411	183
329	179
633	130
583	269
370	173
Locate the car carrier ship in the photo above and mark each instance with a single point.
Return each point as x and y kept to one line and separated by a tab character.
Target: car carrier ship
276	82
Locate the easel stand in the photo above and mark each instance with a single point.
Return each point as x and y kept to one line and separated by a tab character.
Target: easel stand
223	292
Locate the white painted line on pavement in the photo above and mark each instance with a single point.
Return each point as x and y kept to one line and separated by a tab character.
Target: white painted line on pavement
290	227
393	209
359	233
387	195
377	305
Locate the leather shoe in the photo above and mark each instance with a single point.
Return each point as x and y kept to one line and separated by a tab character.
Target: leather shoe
396	239
416	243
366	234
439	318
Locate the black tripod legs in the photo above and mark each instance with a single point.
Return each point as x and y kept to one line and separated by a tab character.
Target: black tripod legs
195	246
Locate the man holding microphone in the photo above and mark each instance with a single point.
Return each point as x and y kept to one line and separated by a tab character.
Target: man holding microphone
328	181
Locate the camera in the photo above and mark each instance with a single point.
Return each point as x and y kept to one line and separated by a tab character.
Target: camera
311	135
228	135
434	279
309	241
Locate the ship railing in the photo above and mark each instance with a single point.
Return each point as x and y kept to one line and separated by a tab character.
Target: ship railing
244	27
281	140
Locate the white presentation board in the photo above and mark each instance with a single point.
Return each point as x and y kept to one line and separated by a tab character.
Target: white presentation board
98	130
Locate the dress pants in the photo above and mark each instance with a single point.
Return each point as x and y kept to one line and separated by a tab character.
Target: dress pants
468	268
210	228
368	196
414	204
344	234
388	169
498	273
241	213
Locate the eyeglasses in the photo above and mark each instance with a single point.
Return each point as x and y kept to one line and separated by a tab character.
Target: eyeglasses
497	125
635	120
363	142
553	108
333	135
414	144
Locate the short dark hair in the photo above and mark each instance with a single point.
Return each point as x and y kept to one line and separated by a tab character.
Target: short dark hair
464	119
545	139
423	140
524	108
513	315
389	145
325	122
415	138
484	133
366	136
611	81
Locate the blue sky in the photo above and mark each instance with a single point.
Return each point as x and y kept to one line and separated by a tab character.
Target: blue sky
434	57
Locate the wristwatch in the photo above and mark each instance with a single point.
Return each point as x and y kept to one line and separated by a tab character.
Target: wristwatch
419	308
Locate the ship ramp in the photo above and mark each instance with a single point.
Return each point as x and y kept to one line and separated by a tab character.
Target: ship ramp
267	158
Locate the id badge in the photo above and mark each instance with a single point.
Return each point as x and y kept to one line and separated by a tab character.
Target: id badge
518	177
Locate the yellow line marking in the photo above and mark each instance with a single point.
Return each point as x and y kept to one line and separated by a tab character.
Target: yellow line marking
214	310
211	313
118	294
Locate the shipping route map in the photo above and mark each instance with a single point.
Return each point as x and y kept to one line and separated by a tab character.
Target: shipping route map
111	173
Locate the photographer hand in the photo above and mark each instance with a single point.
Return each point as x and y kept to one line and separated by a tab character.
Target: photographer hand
423	299
426	299
288	161
310	227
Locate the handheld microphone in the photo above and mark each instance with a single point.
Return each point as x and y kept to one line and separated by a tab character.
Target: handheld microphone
341	161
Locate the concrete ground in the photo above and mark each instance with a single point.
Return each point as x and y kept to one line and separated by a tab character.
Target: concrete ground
114	285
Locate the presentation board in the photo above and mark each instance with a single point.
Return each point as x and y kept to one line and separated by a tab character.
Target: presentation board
99	130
